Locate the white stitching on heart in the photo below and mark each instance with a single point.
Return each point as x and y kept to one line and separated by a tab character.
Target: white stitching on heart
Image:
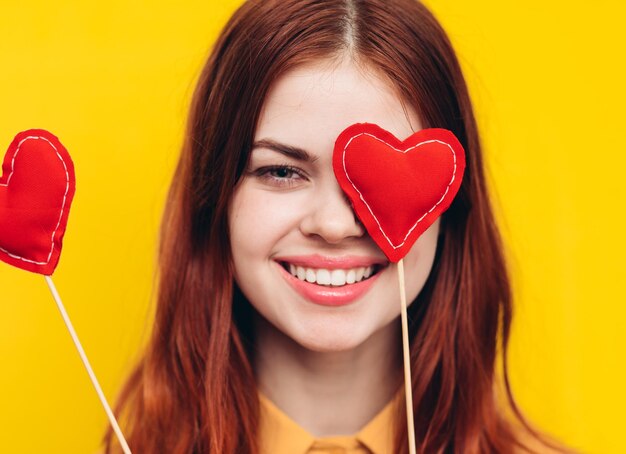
67	187
345	171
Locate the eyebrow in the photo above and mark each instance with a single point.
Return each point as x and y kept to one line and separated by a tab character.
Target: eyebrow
288	150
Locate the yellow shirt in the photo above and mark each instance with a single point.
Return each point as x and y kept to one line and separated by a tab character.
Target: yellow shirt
281	435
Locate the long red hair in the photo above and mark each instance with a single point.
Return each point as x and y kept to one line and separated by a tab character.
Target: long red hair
194	390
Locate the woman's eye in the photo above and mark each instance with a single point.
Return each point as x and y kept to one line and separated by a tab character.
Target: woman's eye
282	172
280	175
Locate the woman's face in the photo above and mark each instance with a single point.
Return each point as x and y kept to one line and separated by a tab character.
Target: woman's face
301	257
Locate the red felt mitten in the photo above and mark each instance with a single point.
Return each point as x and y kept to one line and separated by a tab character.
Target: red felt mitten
36	191
398	188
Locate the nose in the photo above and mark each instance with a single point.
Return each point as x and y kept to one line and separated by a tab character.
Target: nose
330	216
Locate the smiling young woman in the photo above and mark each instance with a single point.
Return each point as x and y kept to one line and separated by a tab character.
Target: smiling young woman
277	325
295	239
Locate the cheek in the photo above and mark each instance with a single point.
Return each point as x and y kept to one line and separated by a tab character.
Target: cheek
419	261
258	219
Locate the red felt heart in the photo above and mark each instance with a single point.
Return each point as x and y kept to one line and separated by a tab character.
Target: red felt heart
398	188
36	191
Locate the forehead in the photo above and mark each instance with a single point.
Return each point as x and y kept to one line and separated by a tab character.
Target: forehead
310	105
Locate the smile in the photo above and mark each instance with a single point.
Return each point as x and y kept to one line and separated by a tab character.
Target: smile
330	281
329	277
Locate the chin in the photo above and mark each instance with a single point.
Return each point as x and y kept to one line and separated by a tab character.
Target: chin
329	342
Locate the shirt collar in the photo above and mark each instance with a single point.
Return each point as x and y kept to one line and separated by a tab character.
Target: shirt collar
278	433
281	435
378	434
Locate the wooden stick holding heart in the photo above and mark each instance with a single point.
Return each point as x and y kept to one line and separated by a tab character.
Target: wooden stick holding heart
36	191
398	189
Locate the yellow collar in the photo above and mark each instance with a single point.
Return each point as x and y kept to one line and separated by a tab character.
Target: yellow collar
280	435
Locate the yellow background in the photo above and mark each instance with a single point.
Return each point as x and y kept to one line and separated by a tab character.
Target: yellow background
113	80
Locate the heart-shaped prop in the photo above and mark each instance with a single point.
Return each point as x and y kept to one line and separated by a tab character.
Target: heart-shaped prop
398	188
36	191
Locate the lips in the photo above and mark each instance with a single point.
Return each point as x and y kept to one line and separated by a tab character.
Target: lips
330	281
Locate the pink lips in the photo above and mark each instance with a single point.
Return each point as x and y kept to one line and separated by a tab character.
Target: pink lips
329	296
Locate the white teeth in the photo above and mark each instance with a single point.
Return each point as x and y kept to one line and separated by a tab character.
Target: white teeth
323	277
331	277
338	277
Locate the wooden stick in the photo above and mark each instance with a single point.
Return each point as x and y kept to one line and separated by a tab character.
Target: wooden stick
83	357
408	390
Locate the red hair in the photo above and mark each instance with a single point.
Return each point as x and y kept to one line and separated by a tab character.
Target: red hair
193	390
